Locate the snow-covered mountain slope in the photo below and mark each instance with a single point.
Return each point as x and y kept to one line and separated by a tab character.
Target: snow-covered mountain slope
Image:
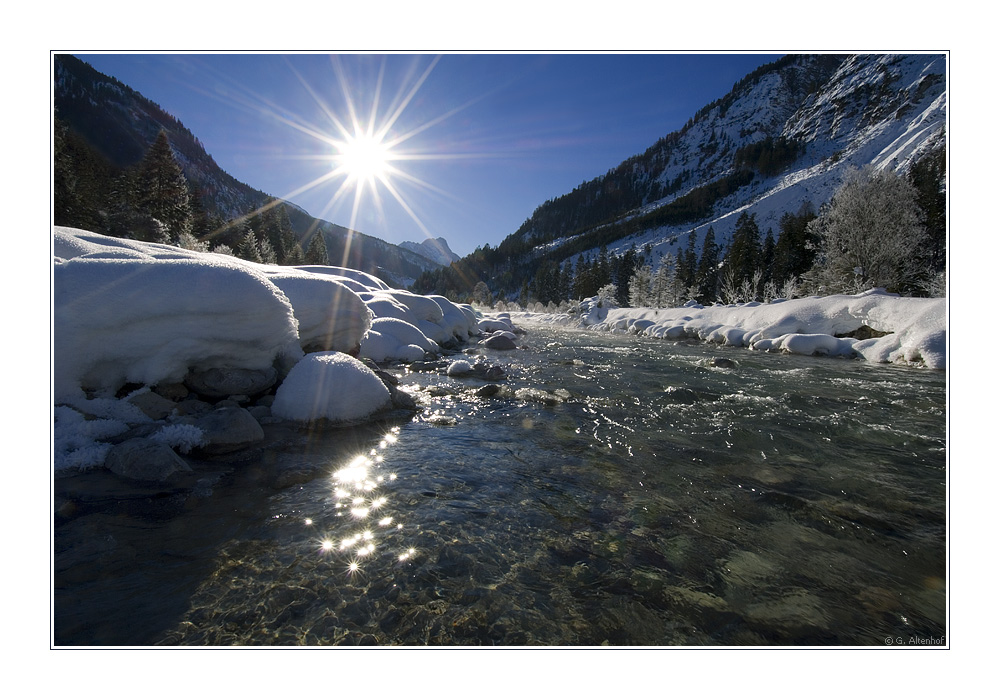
782	138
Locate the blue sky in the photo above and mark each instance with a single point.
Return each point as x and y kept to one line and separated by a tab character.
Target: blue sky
476	141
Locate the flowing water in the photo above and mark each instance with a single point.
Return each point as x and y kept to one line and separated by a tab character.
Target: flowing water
619	491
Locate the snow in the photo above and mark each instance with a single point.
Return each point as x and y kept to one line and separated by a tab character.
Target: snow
130	312
330	385
330	315
150	320
127	312
916	328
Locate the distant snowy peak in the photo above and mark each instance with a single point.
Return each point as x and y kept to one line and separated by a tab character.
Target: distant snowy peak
435	249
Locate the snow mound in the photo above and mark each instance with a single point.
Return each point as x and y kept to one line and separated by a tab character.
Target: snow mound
150	320
330	315
393	339
332	386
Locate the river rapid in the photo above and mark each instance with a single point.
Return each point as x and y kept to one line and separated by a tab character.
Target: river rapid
616	490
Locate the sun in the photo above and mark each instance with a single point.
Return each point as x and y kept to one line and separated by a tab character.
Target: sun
364	157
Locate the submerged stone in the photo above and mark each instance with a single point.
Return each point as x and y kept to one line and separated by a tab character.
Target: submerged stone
145	460
228	429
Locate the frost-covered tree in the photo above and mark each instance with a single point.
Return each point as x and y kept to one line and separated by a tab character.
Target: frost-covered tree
607	295
249	250
481	294
294	255
639	286
871	236
660	293
267	254
188	241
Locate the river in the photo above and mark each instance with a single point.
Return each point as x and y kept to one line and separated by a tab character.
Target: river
619	491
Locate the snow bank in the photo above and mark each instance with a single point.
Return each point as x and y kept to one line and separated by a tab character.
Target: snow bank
330	315
129	311
915	329
151	320
132	312
332	386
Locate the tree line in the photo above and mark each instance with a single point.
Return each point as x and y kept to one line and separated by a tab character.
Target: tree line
153	201
880	229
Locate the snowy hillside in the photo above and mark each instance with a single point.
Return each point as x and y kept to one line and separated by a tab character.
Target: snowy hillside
841	112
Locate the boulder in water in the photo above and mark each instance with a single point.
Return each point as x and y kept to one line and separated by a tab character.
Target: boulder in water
228	429
499	342
141	459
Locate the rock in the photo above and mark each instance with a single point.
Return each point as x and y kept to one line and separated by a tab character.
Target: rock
193	407
173	391
459	368
495	372
220	383
679	394
401	399
488	390
723	362
538	396
499	342
425	366
145	460
259	412
153	405
229	429
266	400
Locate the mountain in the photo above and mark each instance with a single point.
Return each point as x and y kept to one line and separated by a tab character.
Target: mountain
435	249
111	127
779	142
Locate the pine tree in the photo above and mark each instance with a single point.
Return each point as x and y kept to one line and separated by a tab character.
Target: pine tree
743	257
707	276
294	256
316	252
249	249
161	189
928	176
687	263
267	254
795	250
767	257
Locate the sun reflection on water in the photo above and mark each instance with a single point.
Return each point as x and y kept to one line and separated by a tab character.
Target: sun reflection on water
357	490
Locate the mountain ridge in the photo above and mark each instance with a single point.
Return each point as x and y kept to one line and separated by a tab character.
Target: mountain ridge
780	140
435	249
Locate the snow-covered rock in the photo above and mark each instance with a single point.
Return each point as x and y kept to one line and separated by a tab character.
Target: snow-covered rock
130	312
149	320
331	386
330	315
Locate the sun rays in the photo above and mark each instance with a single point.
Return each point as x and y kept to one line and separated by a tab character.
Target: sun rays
363	146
